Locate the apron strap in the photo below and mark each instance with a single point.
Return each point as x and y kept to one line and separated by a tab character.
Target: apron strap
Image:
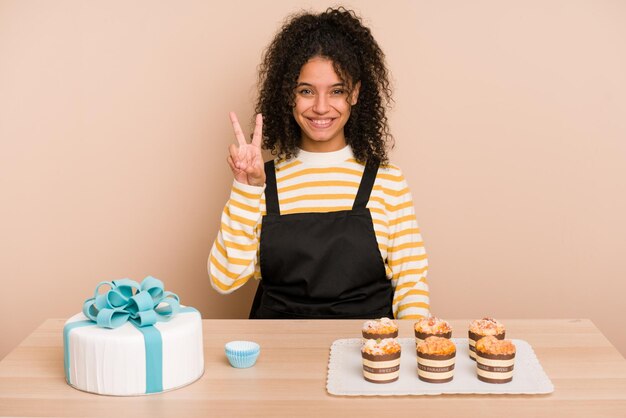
271	192
365	188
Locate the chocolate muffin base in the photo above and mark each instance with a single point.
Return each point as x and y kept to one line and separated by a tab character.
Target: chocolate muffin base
387	366
433	365
490	366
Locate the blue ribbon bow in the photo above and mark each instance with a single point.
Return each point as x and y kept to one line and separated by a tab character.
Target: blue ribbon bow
143	304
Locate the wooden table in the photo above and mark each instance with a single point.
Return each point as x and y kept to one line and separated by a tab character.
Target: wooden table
289	379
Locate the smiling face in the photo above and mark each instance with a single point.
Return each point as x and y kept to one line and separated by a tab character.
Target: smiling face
322	106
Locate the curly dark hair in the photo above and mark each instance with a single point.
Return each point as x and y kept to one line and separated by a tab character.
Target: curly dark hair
339	35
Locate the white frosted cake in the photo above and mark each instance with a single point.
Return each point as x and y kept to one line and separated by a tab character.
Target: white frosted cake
133	340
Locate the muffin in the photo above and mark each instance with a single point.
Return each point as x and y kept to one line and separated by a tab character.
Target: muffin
481	328
435	360
495	360
379	329
381	360
431	327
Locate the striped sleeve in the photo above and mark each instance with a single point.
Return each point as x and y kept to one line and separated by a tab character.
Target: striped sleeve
233	258
406	257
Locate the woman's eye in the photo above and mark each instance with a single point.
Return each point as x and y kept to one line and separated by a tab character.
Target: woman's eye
338	92
306	92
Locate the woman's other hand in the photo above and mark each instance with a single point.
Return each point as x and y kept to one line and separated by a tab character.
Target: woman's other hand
245	160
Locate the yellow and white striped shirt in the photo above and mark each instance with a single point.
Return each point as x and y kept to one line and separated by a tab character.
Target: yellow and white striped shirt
326	182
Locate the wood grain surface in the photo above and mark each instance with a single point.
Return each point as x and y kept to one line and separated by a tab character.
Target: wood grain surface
289	379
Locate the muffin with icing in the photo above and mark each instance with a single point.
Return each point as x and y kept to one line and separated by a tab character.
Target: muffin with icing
379	329
431	327
436	359
480	328
381	360
495	360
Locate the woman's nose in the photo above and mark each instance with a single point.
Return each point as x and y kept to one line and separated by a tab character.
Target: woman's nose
321	105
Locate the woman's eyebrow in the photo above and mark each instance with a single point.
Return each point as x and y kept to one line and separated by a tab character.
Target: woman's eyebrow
311	85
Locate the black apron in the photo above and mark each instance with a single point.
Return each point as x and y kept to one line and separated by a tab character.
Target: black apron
321	265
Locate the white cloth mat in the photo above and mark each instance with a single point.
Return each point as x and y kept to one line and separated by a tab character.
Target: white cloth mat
345	373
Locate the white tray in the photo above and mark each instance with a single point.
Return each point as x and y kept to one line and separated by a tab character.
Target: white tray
345	373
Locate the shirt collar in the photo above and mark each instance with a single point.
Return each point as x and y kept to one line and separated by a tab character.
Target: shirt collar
325	158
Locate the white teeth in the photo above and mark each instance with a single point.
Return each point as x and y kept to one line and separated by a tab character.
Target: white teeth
321	122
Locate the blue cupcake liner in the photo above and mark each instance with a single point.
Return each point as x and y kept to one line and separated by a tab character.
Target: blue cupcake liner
242	354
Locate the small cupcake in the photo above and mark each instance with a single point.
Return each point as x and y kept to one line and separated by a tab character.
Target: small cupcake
431	327
480	328
381	360
495	360
379	329
435	360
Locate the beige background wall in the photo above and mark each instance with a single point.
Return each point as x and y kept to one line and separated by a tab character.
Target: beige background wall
509	119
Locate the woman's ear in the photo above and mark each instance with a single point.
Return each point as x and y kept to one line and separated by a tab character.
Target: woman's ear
354	96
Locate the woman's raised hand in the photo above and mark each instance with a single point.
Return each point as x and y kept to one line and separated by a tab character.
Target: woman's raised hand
245	160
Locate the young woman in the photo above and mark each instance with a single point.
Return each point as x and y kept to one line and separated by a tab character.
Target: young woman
328	227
